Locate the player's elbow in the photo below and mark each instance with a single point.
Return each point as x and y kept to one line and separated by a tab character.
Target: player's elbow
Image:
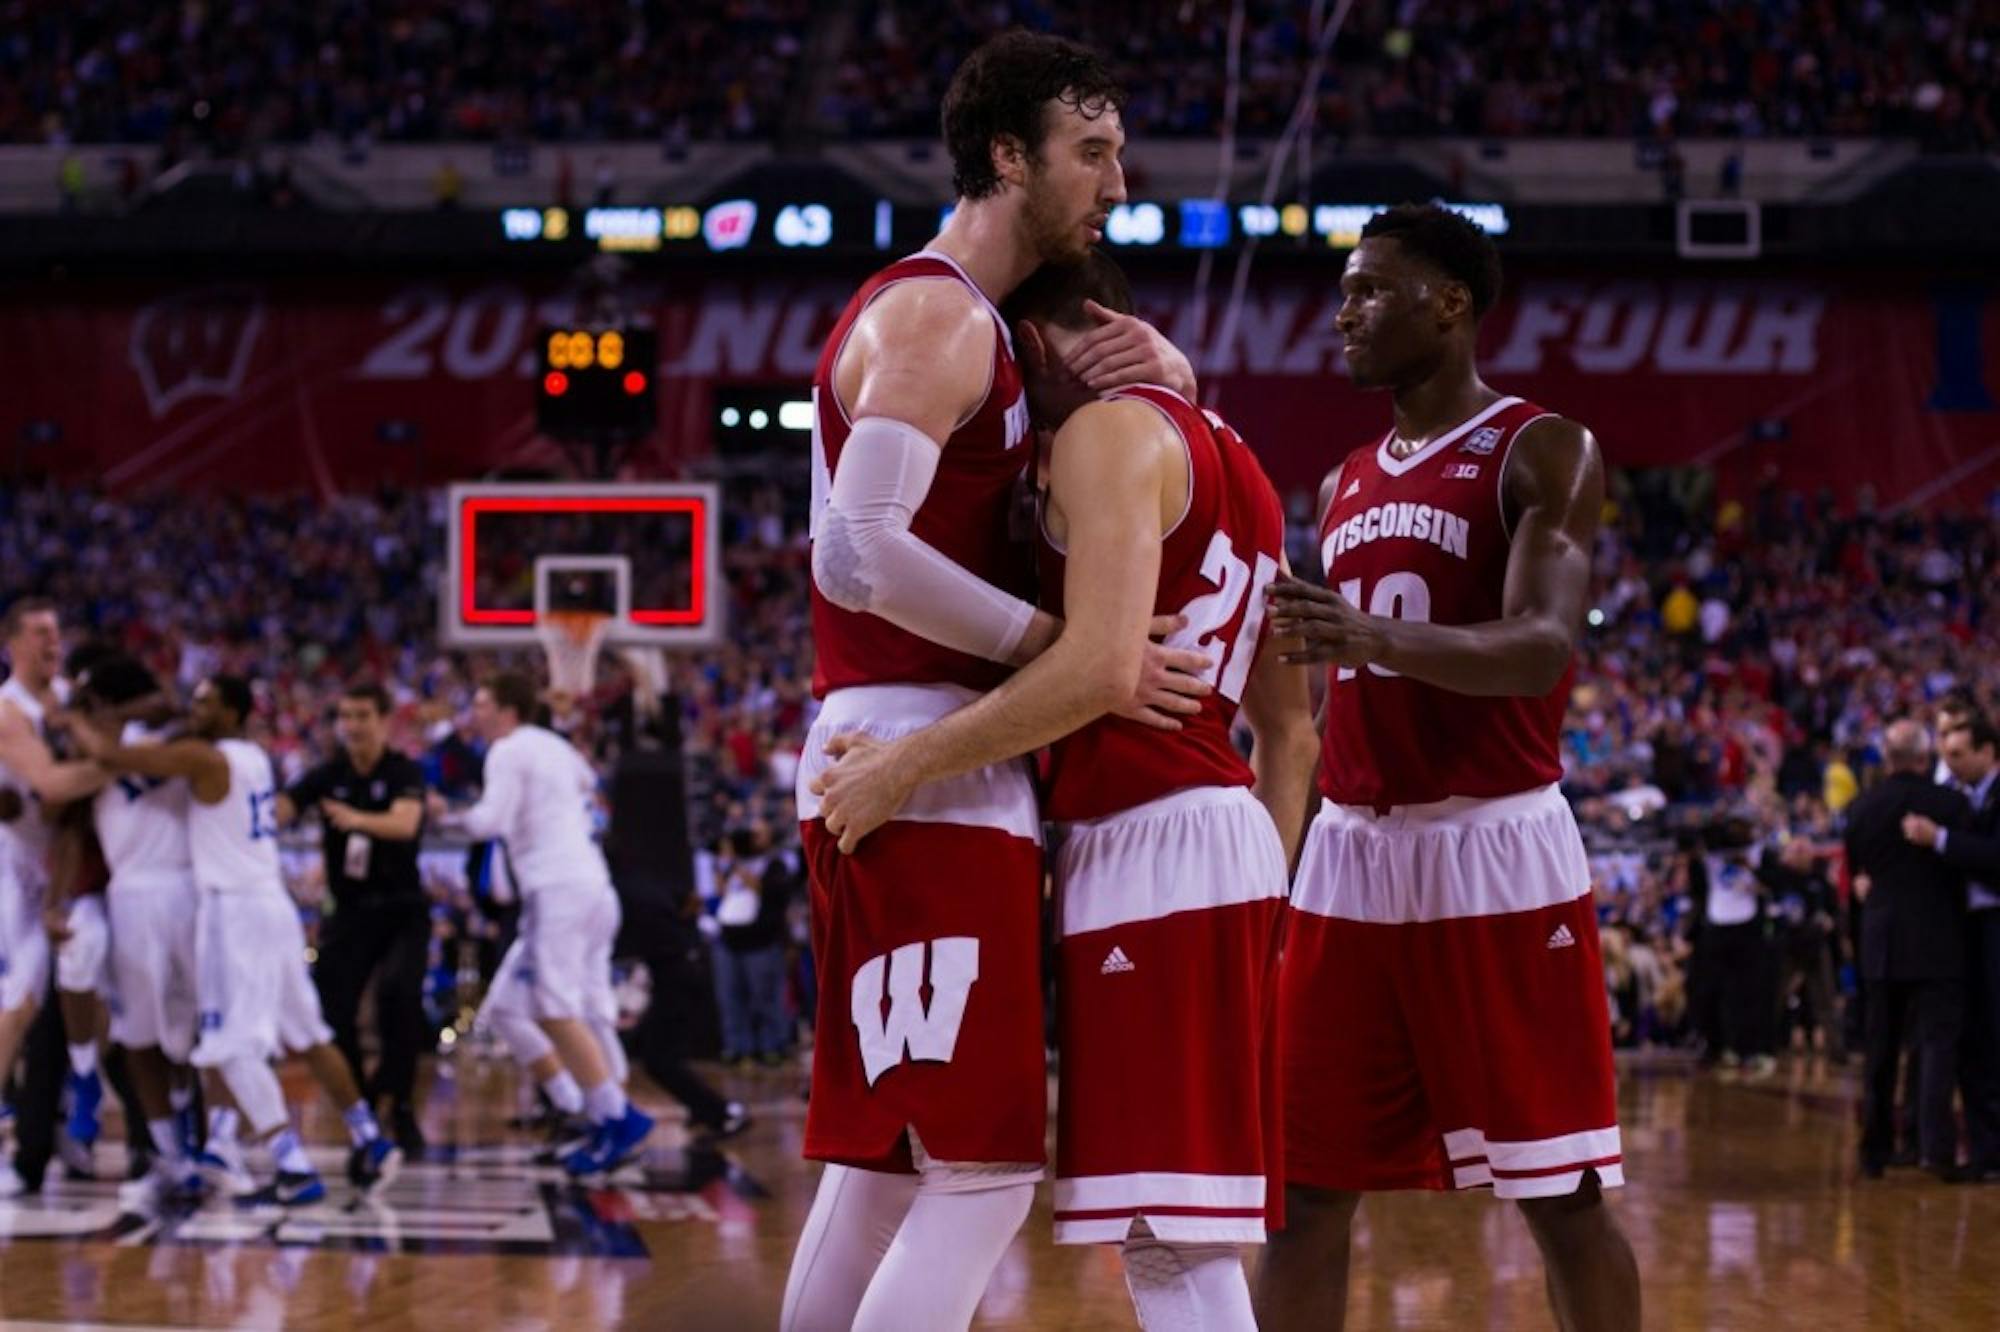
845	556
1282	738
1546	658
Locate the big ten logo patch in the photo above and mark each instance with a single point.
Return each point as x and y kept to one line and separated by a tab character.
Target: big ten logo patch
912	1000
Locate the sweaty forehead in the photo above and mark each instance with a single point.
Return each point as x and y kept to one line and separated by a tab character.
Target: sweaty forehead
1093	120
1381	258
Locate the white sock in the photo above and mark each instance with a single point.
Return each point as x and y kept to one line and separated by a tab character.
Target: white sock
166	1136
180	1097
563	1093
361	1126
223	1123
612	1048
854	1218
289	1154
605	1103
83	1059
1186	1287
945	1251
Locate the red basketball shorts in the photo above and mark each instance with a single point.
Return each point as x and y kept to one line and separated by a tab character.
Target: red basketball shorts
927	940
1443	1015
1167	949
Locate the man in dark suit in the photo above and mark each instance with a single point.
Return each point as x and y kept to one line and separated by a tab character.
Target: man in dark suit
1971	753
1912	950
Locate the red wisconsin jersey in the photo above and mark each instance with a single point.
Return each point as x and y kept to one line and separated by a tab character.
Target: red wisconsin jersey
1214	567
1425	538
967	516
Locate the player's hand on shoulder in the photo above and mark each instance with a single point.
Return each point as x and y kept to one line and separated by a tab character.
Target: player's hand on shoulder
1172	681
1328	628
862	790
1124	350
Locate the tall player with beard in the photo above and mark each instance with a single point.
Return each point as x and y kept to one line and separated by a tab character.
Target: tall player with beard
928	1096
1442	995
1173	869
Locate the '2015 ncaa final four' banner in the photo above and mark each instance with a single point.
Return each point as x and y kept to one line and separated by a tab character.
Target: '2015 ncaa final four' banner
1824	381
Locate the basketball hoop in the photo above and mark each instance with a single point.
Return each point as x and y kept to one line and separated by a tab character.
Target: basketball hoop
571	639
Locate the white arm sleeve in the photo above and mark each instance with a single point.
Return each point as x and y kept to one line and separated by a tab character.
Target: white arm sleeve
866	559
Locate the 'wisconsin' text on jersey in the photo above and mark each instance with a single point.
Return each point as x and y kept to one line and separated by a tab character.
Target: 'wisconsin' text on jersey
1402	520
1425	537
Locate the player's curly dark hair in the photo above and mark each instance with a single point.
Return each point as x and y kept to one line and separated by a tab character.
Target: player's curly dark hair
235	693
1448	242
1056	292
1002	88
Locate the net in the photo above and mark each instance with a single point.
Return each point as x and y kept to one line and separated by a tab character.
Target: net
571	640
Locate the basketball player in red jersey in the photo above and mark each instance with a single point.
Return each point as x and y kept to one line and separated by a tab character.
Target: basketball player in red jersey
1171	876
1443	1010
929	1091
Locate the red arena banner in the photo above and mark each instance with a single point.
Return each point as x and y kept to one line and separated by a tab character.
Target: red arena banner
1825	381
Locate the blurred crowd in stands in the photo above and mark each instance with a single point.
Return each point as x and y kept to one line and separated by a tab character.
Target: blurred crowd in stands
1732	702
226	76
1742	663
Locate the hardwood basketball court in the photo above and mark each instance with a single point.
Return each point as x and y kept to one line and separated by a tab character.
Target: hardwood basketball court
1744	1210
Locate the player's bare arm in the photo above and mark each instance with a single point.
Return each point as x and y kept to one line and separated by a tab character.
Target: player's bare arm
24	752
200	763
1277	704
1112	460
1555	484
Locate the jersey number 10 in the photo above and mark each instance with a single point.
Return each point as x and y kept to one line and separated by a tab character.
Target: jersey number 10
1208	615
1397	596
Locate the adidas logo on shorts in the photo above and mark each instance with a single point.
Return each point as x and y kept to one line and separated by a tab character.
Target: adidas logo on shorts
1116	961
1562	938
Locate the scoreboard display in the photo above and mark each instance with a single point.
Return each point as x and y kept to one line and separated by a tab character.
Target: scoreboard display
596	384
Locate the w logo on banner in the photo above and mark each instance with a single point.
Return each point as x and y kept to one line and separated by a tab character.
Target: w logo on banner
195	343
928	1031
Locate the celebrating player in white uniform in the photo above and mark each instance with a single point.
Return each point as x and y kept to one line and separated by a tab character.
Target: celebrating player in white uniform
38	784
551	1000
256	996
151	902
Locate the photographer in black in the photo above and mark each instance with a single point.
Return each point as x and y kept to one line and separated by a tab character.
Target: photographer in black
370	799
1807	911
